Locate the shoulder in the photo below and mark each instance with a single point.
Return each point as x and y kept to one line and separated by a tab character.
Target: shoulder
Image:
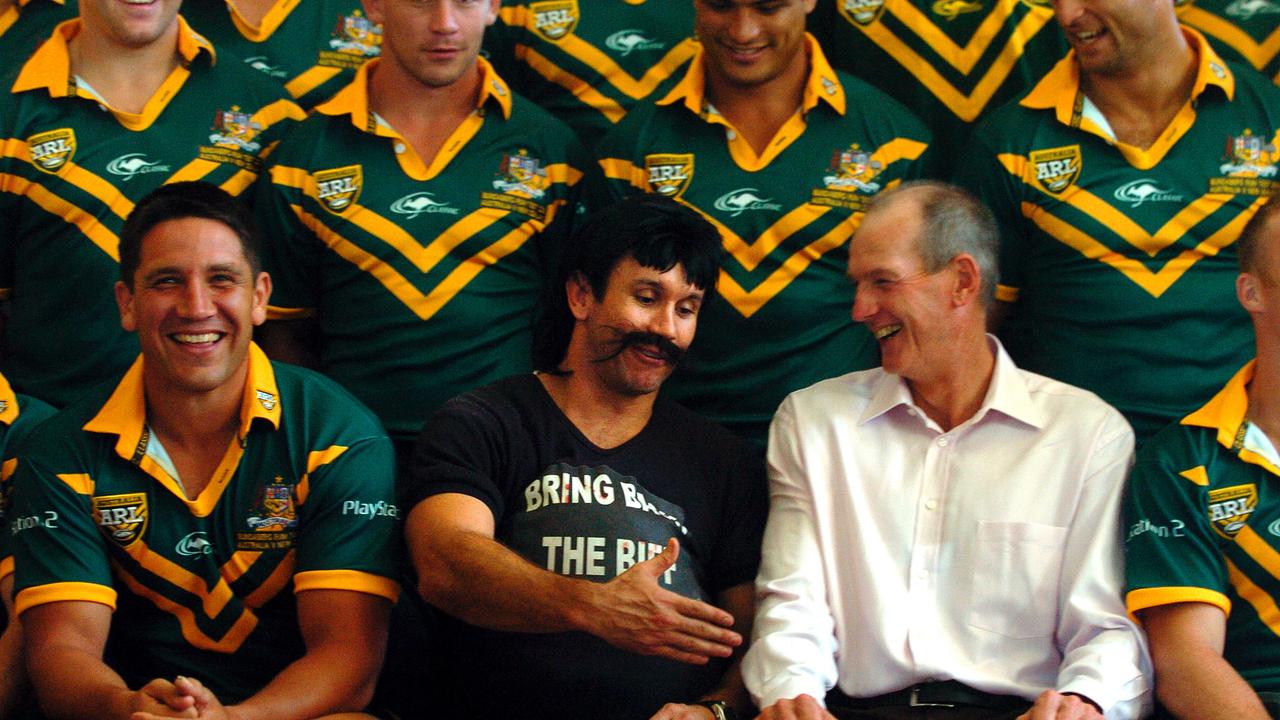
60	437
1253	90
706	434
1011	124
323	407
537	123
850	393
1074	408
313	138
873	105
504	406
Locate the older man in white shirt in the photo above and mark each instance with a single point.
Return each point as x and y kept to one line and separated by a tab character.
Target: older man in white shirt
944	535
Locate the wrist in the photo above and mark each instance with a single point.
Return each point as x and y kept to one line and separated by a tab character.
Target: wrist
719	709
581	605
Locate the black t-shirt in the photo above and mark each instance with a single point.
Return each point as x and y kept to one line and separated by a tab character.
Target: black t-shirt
571	507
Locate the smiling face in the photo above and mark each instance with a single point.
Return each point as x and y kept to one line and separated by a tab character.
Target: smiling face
749	43
906	308
131	23
194	302
1111	37
631	339
433	41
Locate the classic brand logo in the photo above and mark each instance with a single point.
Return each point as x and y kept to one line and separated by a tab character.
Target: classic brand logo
122	517
741	200
1144	190
131	164
53	149
951	9
193	544
262	64
852	170
416	204
554	19
861	12
669	175
1230	507
1056	168
339	188
625	41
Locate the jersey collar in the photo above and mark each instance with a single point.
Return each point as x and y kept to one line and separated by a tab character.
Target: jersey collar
1226	414
49	67
821	85
271	22
1060	92
353	99
8	403
24	3
125	412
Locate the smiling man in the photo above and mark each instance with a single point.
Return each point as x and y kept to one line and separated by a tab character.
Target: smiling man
781	153
1120	183
594	544
943	539
236	515
413	217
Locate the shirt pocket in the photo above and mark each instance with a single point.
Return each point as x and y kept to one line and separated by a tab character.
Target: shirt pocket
1015	579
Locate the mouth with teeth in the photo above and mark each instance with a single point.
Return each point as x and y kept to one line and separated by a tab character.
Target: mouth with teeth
196	338
886	332
1088	36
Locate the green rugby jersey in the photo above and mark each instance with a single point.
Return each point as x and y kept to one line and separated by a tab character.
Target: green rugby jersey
312	48
28	22
424	278
72	168
948	61
590	61
781	321
19	414
1202	513
1245	31
303	500
1111	252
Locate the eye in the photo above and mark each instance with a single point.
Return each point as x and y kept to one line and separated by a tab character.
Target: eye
645	299
687	311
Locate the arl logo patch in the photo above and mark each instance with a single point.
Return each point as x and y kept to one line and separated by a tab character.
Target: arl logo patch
669	175
51	150
122	517
339	188
1057	168
1230	508
951	9
554	19
861	12
266	400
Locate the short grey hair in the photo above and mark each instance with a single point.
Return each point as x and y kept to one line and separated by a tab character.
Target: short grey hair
955	222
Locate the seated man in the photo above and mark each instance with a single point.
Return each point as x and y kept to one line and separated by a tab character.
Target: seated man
1199	549
235	514
943	539
571	521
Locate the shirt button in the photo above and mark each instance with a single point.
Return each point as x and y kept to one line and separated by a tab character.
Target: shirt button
730	134
911	412
943	442
399	148
931	505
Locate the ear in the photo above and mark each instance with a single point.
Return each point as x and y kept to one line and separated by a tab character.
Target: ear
124	301
580	296
968	283
373	9
809	5
261	294
492	15
1247	292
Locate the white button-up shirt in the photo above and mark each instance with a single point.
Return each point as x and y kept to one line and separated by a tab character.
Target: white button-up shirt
896	553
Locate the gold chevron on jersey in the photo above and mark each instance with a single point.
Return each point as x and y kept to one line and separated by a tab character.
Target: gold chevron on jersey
669	174
965	103
192	631
338	189
1258	53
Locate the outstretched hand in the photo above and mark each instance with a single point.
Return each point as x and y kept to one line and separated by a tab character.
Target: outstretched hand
636	614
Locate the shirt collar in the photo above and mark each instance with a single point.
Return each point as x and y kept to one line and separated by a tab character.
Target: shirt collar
24	3
1226	412
49	67
1006	394
353	99
822	83
125	412
1059	90
8	403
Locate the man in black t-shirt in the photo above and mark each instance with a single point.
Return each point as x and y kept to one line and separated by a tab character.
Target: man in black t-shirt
593	545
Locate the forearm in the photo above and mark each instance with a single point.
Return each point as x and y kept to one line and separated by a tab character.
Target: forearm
74	684
13	676
1197	683
317	684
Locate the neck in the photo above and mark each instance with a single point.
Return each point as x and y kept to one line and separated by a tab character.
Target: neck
184	419
125	76
413	108
252	11
759	111
1140	101
954	392
1264	389
606	418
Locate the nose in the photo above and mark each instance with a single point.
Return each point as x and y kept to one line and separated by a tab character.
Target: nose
744	26
663	321
444	17
1066	11
196	301
864	304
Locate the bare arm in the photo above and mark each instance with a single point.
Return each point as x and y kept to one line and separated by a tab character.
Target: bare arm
13	676
1192	678
64	648
296	342
464	571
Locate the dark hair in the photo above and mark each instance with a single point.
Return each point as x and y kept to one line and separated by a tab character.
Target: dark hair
1253	236
655	231
185	200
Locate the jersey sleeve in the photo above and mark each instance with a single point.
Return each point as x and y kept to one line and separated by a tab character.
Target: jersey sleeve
31	412
58	551
1171	548
349	529
620	169
290	249
460	450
